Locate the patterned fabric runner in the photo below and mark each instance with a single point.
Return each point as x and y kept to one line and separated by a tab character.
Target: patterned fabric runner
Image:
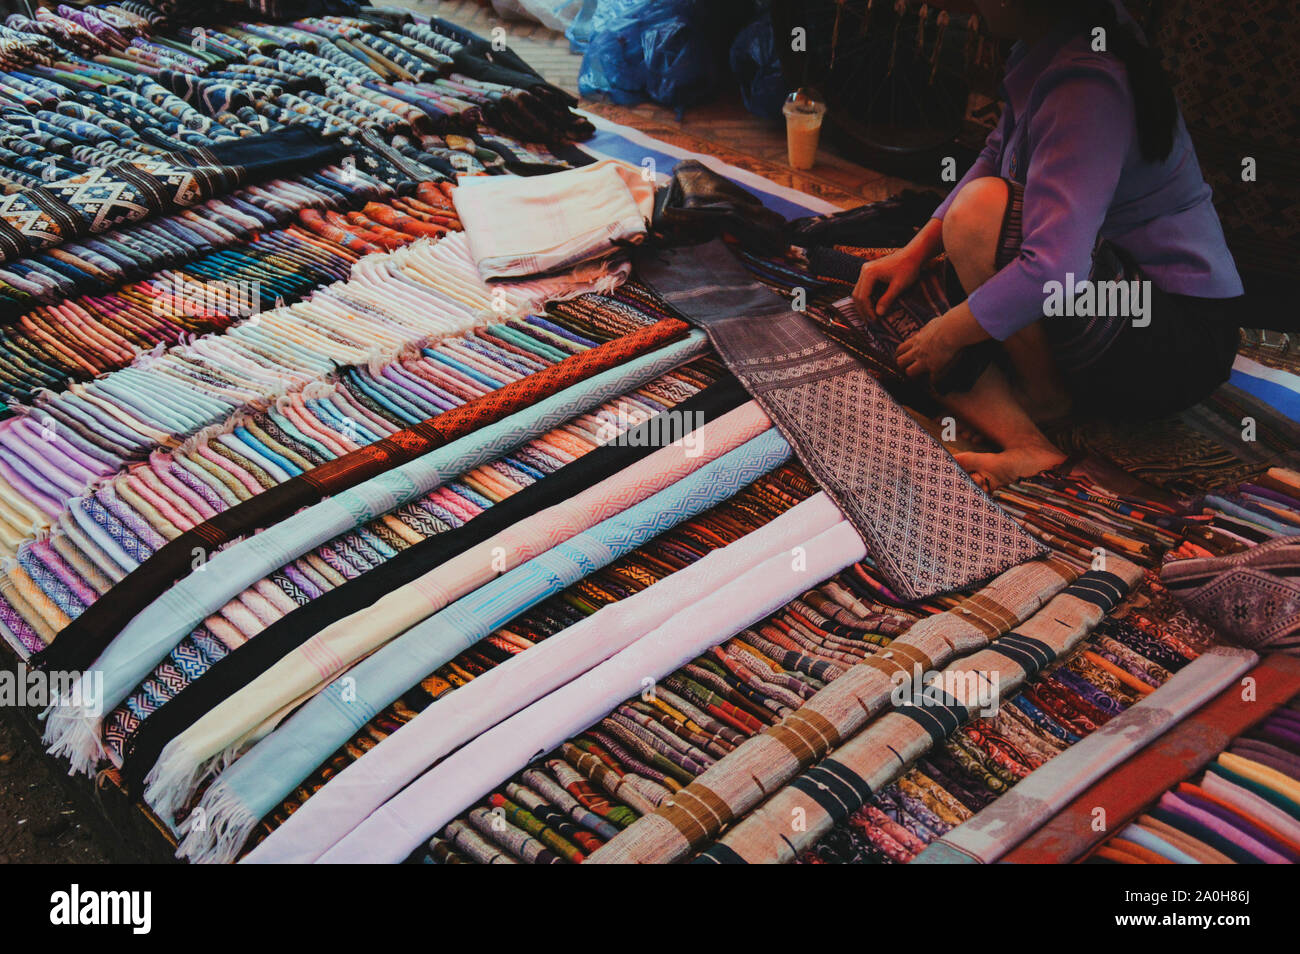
925	523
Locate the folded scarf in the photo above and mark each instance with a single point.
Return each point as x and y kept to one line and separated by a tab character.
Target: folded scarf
72	730
273	643
1252	597
103	198
406	820
257	782
89	634
997	829
476	707
207	744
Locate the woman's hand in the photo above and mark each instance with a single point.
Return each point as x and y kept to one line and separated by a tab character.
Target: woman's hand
896	271
934	347
927	352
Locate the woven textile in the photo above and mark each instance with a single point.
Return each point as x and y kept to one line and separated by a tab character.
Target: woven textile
837	786
926	524
238	669
988	836
741	780
157	629
434	799
333	812
260	779
320	658
103	198
87	636
1175	756
1252	597
525	227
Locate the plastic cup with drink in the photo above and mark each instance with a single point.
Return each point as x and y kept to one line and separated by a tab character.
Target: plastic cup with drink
804	111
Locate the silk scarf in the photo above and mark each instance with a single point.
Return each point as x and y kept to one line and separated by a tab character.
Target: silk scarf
194	755
393	831
253	658
476	707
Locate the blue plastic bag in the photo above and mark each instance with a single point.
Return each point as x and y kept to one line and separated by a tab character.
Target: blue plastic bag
664	50
580	30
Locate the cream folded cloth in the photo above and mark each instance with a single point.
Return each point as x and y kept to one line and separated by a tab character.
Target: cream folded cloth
543	225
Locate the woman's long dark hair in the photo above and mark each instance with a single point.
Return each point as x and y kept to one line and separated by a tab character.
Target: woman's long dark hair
1153	96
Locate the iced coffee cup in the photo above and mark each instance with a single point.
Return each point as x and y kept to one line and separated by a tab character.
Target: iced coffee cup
803	125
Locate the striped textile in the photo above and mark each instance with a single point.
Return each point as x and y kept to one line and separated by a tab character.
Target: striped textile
257	782
1170	759
741	780
202	748
837	786
74	732
422	808
334	811
988	836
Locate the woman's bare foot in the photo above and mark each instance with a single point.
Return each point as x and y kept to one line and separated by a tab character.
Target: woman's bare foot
990	471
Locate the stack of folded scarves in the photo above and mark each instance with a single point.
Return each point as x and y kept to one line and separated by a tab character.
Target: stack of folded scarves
93	111
112	111
448	508
692	482
425	358
65	440
1244	809
205	291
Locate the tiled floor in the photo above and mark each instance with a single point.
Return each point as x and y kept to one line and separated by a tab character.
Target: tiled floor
722	127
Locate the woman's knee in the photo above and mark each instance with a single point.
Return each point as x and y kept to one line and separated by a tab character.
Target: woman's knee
972	227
